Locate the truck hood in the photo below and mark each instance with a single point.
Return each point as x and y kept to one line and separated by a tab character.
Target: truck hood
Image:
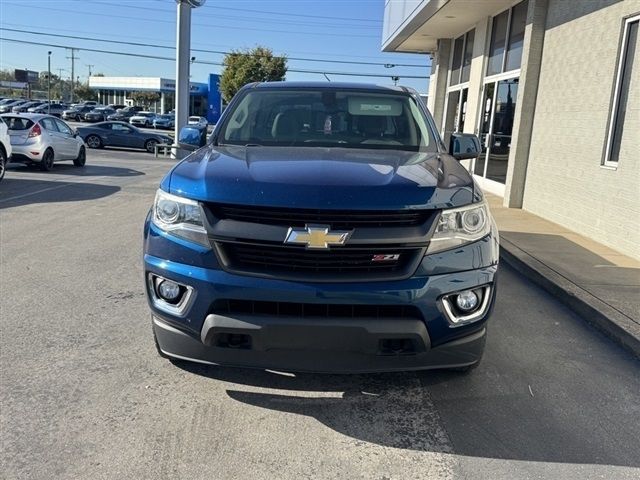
313	177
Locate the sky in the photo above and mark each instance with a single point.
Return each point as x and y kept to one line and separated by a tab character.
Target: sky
336	30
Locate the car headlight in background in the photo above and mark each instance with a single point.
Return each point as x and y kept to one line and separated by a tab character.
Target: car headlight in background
180	216
458	226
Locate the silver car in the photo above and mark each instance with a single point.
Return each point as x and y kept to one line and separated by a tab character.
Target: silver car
43	139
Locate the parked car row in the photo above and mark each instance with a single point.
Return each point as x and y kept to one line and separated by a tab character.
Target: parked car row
12	105
92	112
41	139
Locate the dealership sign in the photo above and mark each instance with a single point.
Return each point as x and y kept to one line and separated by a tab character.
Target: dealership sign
26	76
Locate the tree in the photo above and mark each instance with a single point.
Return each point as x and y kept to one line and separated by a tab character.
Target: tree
145	98
256	65
83	92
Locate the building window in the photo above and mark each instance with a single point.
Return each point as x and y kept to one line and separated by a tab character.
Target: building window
456	62
468	56
461	58
625	105
507	37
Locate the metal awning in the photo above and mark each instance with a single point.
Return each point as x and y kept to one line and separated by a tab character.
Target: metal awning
415	26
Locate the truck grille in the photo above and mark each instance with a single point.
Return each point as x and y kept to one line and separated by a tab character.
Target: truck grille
337	219
339	264
310	310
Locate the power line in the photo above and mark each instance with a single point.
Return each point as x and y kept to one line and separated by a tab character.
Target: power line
248	19
155	39
138	19
288	14
203	62
221	52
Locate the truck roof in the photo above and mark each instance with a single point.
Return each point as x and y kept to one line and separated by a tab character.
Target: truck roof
336	85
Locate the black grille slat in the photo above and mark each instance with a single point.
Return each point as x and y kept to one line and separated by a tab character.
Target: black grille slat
288	259
336	219
310	310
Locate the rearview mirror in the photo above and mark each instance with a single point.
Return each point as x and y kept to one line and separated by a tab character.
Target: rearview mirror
192	137
464	145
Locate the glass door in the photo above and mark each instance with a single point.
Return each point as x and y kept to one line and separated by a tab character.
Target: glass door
496	126
455	114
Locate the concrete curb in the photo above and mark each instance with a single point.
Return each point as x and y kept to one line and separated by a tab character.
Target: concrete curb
605	318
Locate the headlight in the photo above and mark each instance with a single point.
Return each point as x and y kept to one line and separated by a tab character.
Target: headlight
458	226
180	216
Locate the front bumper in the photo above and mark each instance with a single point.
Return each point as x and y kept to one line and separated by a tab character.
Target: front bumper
322	345
326	344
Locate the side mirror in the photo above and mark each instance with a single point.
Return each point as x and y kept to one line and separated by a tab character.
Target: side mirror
464	145
192	137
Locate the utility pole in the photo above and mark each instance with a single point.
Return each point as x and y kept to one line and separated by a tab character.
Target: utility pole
90	67
73	59
49	82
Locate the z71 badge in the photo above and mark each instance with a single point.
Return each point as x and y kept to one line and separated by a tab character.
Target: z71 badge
386	257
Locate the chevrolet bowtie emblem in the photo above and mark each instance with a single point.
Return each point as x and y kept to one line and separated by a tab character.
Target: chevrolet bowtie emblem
317	236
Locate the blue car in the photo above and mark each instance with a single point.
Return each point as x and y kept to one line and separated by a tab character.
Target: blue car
325	228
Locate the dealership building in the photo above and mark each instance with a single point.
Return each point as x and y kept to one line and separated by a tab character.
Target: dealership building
552	88
205	98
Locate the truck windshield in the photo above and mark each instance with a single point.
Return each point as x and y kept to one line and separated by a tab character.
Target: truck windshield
328	117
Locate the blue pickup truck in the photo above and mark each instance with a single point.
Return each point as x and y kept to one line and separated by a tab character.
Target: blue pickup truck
323	227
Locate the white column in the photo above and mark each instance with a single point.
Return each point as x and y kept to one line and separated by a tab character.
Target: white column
438	80
162	102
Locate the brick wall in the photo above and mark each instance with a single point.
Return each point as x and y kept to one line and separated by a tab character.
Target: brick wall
565	181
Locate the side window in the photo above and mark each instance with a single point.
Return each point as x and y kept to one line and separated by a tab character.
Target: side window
63	127
49	124
117	127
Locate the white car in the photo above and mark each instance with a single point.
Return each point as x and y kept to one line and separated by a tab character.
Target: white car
43	139
195	120
142	119
5	148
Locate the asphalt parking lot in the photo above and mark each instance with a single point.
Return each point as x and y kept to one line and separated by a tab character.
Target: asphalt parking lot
83	394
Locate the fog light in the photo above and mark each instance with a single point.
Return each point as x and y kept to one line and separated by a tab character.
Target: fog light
169	291
467	301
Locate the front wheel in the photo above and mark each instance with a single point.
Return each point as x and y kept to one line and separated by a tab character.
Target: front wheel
93	141
47	161
150	146
81	159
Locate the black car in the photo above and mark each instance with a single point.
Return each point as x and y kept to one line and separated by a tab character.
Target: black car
124	114
55	109
77	113
27	105
120	134
99	114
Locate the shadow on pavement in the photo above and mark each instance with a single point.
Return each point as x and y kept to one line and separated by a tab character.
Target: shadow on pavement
15	192
69	169
434	411
549	389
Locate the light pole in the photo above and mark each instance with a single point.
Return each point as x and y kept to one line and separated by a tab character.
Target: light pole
183	55
49	82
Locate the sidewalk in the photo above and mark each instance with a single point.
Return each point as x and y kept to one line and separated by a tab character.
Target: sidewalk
600	284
